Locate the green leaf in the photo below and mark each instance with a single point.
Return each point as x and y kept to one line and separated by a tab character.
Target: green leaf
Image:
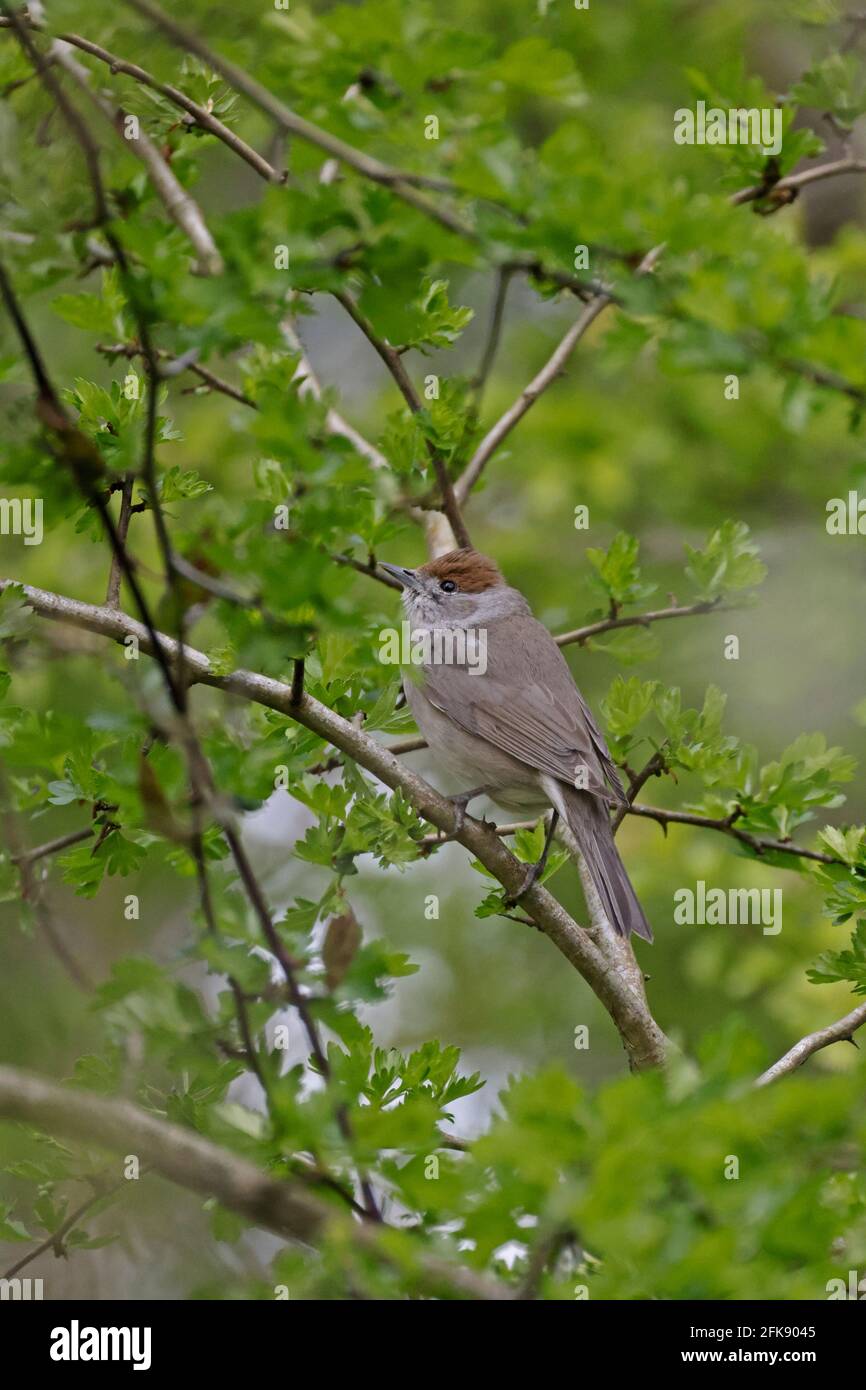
87	311
618	571
627	703
833	966
728	562
441	323
179	484
836	84
847	845
11	1229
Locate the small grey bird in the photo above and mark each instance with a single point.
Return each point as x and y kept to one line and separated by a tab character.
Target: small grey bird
514	723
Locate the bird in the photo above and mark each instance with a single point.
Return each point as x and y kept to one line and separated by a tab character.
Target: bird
514	724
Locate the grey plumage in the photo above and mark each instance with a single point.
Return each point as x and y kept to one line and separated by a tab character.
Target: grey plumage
589	823
521	729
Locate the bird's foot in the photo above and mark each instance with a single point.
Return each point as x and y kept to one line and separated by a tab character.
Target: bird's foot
460	803
535	871
530	878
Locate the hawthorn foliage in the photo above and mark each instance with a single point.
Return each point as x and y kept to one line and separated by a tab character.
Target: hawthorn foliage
210	397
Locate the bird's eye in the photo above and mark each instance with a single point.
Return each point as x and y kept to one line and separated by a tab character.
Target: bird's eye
448	586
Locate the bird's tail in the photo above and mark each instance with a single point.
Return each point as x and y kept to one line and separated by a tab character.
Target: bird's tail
587	818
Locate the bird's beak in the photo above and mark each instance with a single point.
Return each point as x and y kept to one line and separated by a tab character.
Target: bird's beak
407	579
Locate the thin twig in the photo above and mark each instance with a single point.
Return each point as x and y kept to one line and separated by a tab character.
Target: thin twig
394	363
112	597
400	746
177	202
371	571
725	825
200	115
31	892
552	369
173	364
841	1031
820	376
75	837
494	332
299	1002
31	888
308	383
797	181
545	1252
653	768
294	124
691	610
54	1241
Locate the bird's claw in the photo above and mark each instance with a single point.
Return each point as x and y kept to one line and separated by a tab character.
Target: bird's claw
530	878
460	803
535	871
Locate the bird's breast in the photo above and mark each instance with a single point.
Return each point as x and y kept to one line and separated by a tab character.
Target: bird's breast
472	761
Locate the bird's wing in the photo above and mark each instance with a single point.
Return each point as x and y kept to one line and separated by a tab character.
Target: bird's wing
527	704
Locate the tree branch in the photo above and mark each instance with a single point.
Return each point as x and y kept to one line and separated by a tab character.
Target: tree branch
726	827
552	368
582	634
112	597
308	383
181	208
294	124
196	1163
504	274
174	365
841	1031
32	889
644	1041
199	114
798	181
54	1241
394	363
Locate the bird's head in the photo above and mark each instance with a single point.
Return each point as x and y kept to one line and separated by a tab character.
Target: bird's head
460	589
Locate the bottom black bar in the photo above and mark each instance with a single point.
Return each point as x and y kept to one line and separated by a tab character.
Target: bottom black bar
64	1338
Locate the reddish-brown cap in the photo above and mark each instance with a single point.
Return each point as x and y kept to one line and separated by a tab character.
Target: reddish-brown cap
471	572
